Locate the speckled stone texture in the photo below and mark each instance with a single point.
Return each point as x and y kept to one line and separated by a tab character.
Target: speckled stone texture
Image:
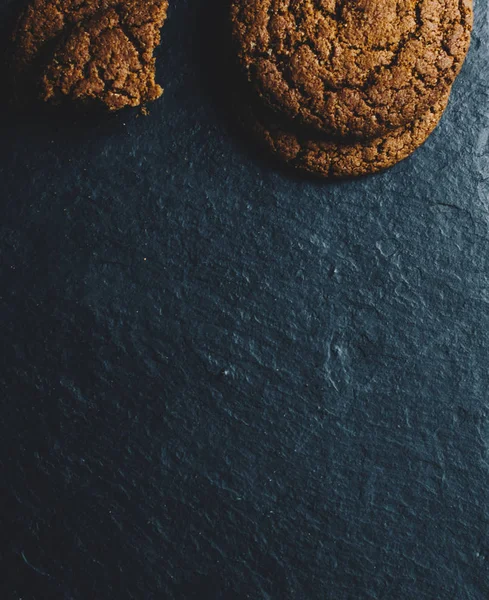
221	381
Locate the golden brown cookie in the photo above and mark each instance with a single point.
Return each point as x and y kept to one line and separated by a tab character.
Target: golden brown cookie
352	67
326	157
99	51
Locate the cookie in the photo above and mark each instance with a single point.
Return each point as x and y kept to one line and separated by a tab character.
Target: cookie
327	157
90	52
360	68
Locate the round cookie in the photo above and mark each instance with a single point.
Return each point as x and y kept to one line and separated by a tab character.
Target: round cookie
327	157
358	68
99	51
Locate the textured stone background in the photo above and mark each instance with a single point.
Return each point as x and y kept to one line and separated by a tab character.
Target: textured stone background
222	381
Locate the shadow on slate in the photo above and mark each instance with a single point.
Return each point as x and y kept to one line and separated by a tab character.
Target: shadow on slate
220	79
39	120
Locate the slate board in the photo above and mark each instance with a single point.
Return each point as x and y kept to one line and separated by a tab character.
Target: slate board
222	381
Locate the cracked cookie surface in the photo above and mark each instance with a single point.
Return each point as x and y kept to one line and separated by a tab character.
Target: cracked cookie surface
90	51
360	68
328	158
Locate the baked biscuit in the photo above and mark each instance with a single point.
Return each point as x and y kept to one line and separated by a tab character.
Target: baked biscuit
325	157
360	68
99	51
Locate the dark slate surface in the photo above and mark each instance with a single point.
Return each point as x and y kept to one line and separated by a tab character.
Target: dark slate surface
220	381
